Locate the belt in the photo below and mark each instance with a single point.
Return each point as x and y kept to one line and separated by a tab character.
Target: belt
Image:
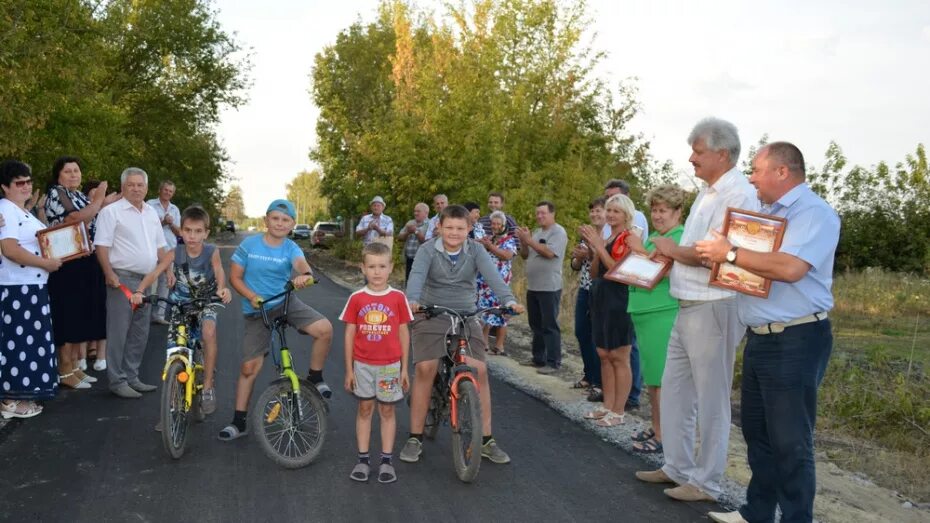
778	327
692	303
128	274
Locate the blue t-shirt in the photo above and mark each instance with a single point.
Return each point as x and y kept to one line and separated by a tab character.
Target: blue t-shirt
267	269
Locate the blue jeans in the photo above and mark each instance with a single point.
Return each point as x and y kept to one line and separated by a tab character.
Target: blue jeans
592	363
637	385
781	374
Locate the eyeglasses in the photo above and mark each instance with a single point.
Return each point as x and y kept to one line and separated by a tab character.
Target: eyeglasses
22	183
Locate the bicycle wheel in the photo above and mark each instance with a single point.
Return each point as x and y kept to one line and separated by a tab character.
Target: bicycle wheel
434	414
175	418
290	426
466	438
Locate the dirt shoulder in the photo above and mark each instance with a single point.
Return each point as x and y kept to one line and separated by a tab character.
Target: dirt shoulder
842	496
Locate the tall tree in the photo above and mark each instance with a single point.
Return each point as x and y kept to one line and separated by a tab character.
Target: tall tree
304	191
488	95
234	205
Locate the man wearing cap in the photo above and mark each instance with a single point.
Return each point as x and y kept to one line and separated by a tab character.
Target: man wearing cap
260	268
129	243
788	341
376	226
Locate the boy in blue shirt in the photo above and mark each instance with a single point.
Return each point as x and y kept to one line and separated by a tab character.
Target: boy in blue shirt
262	266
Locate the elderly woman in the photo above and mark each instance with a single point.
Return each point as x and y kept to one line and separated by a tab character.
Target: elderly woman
502	247
27	352
77	291
654	311
581	262
611	325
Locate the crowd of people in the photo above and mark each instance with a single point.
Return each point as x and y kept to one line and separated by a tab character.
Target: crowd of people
679	338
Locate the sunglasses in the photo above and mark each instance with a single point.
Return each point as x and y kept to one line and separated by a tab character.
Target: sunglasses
22	183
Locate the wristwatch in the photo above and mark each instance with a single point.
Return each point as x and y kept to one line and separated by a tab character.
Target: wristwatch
731	255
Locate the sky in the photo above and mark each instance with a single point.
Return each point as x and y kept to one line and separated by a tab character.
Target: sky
855	72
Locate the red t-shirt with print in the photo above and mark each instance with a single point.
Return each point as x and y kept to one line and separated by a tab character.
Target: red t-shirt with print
377	316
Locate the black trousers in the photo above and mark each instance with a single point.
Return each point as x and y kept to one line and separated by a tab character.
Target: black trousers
542	307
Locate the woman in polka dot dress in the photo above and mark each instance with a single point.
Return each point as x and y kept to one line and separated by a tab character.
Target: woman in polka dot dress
28	368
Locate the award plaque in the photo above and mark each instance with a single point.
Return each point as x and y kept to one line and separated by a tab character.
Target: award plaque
66	241
639	270
751	231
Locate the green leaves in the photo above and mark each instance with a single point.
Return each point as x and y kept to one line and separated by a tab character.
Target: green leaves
488	95
119	83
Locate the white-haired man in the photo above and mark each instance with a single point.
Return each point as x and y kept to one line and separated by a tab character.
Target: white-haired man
129	243
702	349
170	217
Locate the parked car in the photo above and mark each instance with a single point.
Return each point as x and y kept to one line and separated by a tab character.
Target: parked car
325	232
301	232
230	226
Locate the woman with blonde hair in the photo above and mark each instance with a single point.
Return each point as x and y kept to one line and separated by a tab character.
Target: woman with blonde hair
611	325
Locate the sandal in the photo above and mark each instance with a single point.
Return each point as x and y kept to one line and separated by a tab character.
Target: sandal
581	384
650	446
360	472
597	413
643	435
596	395
231	432
611	419
498	351
71	380
386	473
19	409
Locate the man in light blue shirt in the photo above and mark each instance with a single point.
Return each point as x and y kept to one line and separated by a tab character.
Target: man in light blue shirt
789	338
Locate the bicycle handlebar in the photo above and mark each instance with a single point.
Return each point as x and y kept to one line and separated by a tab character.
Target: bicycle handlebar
432	311
288	289
194	302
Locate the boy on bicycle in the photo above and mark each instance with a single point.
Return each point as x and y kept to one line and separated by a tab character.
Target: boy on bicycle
198	273
262	266
444	273
377	344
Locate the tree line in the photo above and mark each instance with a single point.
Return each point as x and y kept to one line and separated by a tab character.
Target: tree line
120	83
500	95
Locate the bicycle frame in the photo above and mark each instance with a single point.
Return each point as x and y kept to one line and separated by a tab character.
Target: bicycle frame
278	328
185	355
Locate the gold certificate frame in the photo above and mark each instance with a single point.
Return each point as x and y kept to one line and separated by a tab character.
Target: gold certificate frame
751	231
66	241
639	270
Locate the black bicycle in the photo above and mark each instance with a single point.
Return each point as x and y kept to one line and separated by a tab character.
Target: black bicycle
455	396
290	417
182	377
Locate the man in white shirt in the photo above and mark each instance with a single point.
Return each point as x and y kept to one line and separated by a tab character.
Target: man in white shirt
376	225
440	201
129	241
170	217
702	349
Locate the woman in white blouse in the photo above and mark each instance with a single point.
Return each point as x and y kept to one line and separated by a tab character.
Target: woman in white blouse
28	366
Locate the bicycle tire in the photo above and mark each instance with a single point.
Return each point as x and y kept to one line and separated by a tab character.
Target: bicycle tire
466	437
272	423
175	419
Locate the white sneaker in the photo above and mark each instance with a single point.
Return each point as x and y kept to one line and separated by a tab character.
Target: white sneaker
727	517
100	365
82	364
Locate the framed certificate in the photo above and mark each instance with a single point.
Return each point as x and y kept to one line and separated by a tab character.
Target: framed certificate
639	270
755	232
66	241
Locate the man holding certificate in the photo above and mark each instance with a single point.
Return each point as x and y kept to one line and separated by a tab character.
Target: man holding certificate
702	348
789	338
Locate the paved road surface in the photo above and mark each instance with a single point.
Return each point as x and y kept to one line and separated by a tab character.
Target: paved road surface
94	457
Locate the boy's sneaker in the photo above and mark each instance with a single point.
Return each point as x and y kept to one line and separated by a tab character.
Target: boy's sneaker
208	401
494	453
412	450
324	389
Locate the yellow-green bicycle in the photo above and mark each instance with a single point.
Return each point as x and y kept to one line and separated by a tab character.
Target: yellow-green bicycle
182	377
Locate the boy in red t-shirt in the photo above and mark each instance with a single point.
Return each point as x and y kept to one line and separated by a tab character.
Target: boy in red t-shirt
377	345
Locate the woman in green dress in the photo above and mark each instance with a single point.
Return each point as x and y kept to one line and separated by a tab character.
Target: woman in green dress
653	312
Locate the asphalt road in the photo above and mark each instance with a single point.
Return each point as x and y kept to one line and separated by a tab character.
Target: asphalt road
94	457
